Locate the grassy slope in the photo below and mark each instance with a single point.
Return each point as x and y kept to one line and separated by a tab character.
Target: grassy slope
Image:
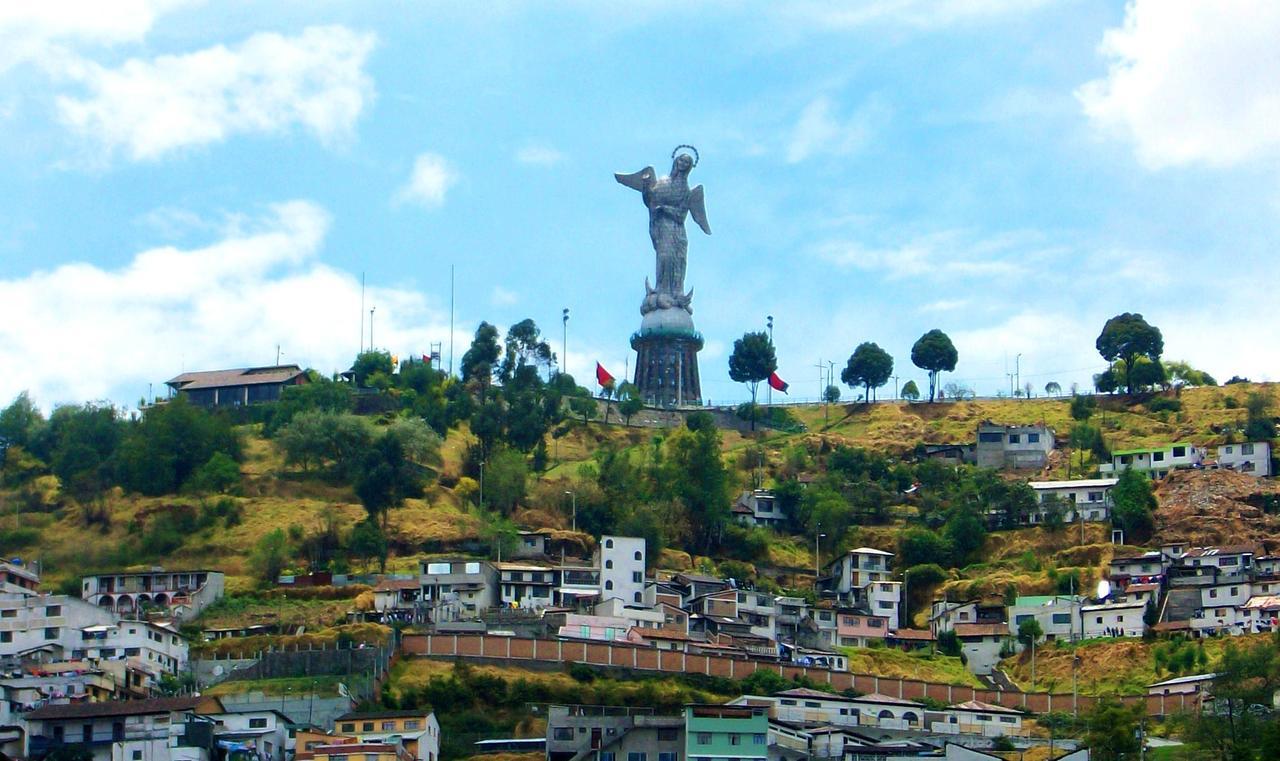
928	667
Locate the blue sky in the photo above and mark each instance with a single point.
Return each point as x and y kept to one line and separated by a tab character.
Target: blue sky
190	184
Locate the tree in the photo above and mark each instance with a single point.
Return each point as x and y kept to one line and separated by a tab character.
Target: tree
20	422
386	479
334	439
935	353
367	542
1082	407
506	479
831	394
583	405
1030	631
269	556
163	450
1133	505
1052	388
697	477
966	534
371	363
219	475
1111	733
869	366
631	403
1182	375
753	360
1259	424
918	546
1127	337
910	391
481	359
524	347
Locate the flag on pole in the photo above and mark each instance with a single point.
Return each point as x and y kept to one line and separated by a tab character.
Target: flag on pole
778	384
602	375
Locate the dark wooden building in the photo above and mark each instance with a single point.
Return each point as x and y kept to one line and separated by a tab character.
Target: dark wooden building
236	388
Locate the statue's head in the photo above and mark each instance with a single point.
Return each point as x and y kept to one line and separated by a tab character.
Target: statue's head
681	161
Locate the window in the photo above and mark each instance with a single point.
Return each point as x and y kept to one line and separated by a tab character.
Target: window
137	755
1033	438
759	739
1179	451
639	555
8	613
608	544
51	632
1095	496
257	723
608	564
1213	593
348	727
388	726
788	702
637	577
562	734
637	597
53	611
1244	449
1157	456
342	757
607	756
1014	438
1061	618
1098	620
812	704
875	623
990	438
367	726
371	757
412	724
6	636
884	604
735	738
704	738
437	569
667	734
666	756
637	756
1009	719
608	584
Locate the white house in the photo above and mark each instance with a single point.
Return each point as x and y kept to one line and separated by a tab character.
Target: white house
981	645
457	588
123	730
182	594
526	585
1252	457
622	565
758	507
265	732
1157	461
1058	615
1087	499
975	717
1114	619
1013	446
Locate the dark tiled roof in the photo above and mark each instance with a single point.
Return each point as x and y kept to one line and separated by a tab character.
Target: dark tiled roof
358	715
113	708
244	376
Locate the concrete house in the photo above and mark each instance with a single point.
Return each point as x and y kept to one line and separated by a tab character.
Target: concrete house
622	564
981	645
417	732
1059	615
181	594
578	731
455	589
1157	461
758	508
526	585
1114	619
1013	446
263	732
725	731
1087	499
236	388
1253	457
164	729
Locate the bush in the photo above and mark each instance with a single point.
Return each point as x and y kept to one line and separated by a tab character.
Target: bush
1164	404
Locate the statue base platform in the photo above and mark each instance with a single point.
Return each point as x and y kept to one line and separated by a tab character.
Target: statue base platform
667	360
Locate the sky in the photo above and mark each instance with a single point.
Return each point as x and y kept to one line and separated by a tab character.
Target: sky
201	185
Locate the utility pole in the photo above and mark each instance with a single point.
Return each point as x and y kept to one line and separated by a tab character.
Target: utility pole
574	495
564	341
769	399
277	355
1017	368
895	387
817	550
451	319
362	313
822	391
371	311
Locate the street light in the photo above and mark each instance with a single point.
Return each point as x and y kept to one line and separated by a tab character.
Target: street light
574	496
482	484
769	400
816	552
564	341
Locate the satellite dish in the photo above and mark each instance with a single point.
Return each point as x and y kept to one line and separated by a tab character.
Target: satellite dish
1104	589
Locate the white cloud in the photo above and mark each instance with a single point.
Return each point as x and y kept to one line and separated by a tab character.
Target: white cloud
1192	82
943	305
819	130
503	297
36	30
927	14
539	155
83	332
430	180
950	253
266	85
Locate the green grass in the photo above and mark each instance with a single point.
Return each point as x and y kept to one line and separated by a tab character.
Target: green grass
321	686
922	665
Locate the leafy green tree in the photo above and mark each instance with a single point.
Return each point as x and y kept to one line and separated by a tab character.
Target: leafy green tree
1127	337
367	542
386	478
1134	505
935	353
696	476
481	359
1106	382
525	347
583	405
920	546
1259	424
371	363
1182	375
966	534
753	360
219	475
80	443
869	366
1111	730
831	394
1082	407
1054	513
949	643
1052	388
631	404
318	394
270	555
1029	631
910	391
163	450
326	439
419	443
1245	680
506	479
20	423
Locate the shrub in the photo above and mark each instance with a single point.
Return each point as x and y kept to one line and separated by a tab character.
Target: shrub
1164	404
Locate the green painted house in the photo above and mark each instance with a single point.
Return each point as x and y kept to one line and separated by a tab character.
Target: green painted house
721	732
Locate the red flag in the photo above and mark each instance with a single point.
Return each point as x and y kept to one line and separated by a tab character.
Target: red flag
602	376
778	384
426	360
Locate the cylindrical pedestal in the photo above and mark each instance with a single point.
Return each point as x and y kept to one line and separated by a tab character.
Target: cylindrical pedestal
667	367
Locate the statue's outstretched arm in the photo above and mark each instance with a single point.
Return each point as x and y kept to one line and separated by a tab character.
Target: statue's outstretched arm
698	209
641	180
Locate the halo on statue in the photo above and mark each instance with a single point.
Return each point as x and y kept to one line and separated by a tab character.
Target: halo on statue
695	157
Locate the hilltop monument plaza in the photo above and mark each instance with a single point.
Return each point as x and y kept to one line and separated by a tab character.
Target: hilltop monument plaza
667	344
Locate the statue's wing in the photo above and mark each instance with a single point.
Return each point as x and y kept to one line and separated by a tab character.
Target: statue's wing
698	209
640	181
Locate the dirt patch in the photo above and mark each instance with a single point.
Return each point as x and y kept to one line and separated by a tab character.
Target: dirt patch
1215	507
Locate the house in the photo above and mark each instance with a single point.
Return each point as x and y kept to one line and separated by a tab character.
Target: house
860	579
416	732
726	731
758	507
161	729
1058	615
1157	461
1087	499
760	611
236	388
691	585
455	589
366	751
594	628
263	733
181	594
1114	619
854	630
1147	568
980	644
1194	684
978	718
399	600
911	639
949	454
638	616
662	639
622	564
1013	446
885	712
660	738
305	742
578	731
19	578
526	585
1252	457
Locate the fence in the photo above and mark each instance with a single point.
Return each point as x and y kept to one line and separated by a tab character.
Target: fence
640	658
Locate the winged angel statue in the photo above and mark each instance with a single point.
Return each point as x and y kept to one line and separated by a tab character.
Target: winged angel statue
669	200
